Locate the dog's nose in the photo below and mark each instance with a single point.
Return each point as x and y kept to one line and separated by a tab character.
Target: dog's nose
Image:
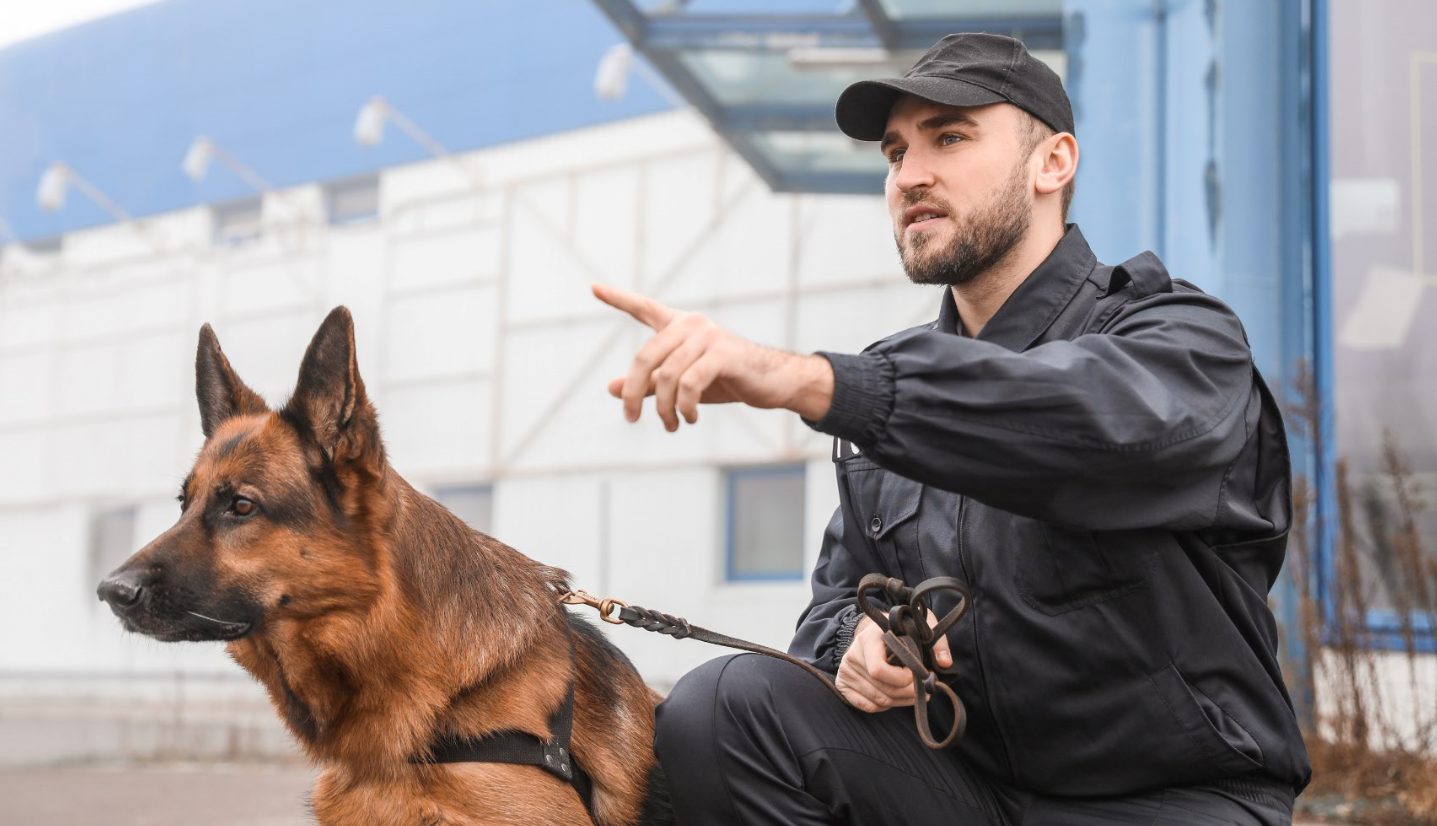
121	590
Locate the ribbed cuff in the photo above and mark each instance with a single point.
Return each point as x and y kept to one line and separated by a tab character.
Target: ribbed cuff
862	397
847	621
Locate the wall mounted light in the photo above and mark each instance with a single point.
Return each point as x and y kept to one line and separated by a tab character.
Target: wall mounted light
611	79
56	183
369	131
204	151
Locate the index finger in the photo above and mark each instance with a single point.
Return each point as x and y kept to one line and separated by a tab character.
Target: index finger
645	310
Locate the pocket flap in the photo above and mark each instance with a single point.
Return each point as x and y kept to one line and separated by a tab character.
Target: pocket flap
897	503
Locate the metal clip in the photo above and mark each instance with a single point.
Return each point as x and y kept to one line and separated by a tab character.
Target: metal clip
608	607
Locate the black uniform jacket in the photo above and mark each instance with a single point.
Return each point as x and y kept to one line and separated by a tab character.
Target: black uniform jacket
1106	470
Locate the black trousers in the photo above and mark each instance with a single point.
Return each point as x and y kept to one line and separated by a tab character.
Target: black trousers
751	740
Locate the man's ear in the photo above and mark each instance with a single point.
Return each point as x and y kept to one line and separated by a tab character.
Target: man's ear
1059	156
220	392
330	399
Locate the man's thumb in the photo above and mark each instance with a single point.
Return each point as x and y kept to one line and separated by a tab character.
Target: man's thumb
941	655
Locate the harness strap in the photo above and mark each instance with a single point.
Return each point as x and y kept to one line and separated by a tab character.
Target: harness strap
522	748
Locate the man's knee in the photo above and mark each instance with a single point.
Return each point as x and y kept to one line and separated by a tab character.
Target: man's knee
738	692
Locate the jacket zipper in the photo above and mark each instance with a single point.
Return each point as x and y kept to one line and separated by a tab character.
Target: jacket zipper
977	646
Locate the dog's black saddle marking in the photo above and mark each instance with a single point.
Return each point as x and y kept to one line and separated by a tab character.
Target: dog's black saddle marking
522	748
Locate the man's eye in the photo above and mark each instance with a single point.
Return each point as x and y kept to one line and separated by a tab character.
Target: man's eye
895	156
242	506
948	139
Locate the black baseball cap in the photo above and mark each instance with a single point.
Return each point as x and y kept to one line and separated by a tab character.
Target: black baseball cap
961	70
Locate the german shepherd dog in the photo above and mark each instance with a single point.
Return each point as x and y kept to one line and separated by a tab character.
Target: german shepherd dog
378	621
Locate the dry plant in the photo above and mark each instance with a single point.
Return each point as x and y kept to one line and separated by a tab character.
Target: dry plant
1369	766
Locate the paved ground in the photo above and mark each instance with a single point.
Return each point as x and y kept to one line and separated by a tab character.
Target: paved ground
174	795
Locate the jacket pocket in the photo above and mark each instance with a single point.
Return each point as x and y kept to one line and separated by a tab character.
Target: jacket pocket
1064	569
886	505
1214	737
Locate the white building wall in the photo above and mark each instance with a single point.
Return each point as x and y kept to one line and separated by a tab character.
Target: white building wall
482	348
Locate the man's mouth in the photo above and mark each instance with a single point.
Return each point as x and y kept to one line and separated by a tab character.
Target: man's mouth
922	217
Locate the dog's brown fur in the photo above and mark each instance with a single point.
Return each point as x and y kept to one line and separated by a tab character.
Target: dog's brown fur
375	618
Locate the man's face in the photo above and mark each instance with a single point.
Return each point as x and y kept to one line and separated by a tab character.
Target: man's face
958	188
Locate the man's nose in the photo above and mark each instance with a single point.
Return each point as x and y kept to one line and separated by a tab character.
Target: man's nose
122	589
913	173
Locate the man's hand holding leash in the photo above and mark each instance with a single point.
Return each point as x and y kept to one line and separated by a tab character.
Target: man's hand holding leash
869	681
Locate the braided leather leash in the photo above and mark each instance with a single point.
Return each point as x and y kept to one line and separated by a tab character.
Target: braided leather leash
906	633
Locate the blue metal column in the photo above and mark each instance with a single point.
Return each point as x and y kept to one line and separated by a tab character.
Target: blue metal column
1114	77
1323	361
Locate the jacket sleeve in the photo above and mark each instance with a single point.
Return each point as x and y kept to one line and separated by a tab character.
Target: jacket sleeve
1152	410
826	626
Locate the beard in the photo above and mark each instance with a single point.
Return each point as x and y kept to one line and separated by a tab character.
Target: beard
978	244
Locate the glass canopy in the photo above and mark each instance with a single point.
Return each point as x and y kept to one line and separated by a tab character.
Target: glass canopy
766	73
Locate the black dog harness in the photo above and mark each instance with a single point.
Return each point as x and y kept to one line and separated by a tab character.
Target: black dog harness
524	749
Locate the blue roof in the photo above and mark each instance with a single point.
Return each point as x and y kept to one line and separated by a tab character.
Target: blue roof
278	84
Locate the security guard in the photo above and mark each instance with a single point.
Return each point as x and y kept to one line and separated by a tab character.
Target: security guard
1089	447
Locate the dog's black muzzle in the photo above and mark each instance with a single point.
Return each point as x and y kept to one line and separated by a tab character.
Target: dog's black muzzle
145	605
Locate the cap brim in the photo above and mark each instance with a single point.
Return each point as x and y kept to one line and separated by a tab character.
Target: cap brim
862	110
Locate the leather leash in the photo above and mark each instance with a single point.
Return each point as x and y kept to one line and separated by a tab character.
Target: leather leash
906	634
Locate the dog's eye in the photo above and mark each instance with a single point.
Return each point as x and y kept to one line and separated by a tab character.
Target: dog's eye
242	506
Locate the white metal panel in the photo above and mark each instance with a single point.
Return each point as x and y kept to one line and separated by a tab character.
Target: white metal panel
124	309
845	239
43	604
849	320
116	458
444	258
266	350
355	264
554	520
155	371
548	276
440	428
255	283
664	552
26	324
681	200
602	225
26	386
748	249
446	333
27	476
88	379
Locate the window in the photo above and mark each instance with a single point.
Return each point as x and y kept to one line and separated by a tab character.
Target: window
352	201
112	541
43	250
45	246
1383	218
765	523
237	222
472	503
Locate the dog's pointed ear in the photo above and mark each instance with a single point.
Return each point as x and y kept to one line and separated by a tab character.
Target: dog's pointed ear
330	397
221	393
